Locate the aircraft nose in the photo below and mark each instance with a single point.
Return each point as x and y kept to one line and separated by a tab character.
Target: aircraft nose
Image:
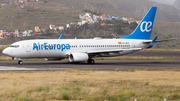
6	51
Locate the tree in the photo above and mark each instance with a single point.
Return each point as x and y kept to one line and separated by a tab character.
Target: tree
133	25
57	29
47	30
117	29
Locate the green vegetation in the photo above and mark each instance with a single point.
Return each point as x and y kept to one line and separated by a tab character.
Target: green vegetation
104	29
91	86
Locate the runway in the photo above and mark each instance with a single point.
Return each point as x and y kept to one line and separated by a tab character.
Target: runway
100	65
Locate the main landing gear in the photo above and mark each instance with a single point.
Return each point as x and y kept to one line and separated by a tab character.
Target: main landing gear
91	61
20	62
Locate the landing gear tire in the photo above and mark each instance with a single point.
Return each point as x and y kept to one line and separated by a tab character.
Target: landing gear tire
20	62
91	61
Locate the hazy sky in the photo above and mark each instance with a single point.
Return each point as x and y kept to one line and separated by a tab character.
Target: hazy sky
172	1
165	1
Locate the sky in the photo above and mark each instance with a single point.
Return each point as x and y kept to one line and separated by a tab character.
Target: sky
171	1
165	1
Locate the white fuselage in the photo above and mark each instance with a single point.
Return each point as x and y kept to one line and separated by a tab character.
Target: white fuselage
56	48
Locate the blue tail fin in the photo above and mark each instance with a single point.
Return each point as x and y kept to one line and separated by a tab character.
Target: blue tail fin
144	29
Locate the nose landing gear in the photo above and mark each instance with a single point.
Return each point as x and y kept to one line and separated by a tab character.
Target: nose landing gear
19	60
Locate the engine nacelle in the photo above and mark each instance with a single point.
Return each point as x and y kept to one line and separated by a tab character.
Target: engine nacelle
53	59
78	57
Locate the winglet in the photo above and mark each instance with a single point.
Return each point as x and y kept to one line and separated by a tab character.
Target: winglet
61	36
152	43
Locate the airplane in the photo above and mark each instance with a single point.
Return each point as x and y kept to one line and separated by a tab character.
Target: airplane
82	50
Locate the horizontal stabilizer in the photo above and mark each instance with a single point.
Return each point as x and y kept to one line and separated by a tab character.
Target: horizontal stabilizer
152	43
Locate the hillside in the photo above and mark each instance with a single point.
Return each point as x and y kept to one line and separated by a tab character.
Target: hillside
140	7
166	19
95	5
36	14
126	7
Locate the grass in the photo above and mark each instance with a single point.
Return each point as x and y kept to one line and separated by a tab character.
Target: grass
90	86
7	58
3	47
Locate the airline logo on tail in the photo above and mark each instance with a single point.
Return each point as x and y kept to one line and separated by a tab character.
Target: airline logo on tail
144	29
146	26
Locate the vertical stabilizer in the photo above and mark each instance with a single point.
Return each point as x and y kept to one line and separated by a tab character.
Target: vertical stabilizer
144	29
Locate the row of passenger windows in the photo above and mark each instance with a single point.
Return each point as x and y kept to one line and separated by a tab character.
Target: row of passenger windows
86	46
49	46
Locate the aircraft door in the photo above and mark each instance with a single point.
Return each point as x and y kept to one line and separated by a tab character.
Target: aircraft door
28	47
133	44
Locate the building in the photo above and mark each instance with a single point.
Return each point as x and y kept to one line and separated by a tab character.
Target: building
20	34
37	29
27	33
1	35
52	27
137	21
8	35
61	27
127	19
67	26
17	32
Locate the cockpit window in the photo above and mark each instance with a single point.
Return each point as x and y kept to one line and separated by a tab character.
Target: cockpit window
14	46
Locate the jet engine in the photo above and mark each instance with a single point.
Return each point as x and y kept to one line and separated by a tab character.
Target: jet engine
78	57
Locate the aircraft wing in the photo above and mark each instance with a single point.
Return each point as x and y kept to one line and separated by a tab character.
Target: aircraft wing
113	51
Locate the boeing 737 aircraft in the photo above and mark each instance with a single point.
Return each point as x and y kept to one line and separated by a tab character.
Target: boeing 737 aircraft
81	50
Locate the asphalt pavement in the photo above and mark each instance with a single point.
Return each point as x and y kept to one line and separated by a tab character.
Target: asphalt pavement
100	65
